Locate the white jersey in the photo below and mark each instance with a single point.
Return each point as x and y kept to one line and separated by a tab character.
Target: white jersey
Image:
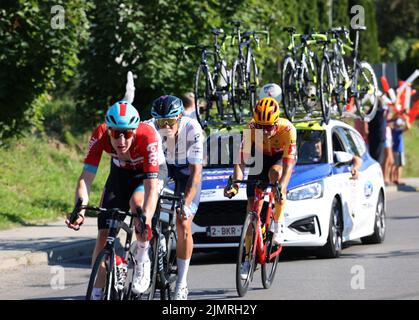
187	147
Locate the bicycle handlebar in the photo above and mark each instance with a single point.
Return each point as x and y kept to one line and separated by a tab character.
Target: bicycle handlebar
78	207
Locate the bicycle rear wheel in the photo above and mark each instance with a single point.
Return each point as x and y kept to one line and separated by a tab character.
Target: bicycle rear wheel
289	88
270	265
366	96
203	102
246	255
309	85
238	90
105	262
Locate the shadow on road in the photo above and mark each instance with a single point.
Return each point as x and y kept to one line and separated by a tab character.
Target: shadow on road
229	256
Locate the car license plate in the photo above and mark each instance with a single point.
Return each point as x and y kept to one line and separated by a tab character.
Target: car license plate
225	231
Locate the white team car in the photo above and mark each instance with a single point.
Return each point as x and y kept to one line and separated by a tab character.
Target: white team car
324	207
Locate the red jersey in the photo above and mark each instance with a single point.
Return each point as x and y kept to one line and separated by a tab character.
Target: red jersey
143	153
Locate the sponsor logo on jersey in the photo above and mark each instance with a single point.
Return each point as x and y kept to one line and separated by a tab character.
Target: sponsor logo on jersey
153	156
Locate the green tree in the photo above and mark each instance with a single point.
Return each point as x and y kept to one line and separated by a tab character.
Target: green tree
34	55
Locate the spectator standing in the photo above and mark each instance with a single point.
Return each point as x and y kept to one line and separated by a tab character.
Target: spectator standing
377	134
399	125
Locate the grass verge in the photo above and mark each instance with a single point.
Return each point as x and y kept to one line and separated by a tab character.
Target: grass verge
38	178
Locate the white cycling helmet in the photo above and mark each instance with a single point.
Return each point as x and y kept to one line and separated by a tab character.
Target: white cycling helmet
271	90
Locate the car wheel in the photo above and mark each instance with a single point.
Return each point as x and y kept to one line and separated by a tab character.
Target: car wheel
333	246
379	224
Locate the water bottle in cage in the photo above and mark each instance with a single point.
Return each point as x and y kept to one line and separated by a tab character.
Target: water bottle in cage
121	271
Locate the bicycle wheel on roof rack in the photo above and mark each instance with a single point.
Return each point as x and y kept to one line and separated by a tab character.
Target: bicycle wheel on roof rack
366	97
238	90
289	88
326	89
203	101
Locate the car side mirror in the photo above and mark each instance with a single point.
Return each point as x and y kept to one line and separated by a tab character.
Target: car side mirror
342	158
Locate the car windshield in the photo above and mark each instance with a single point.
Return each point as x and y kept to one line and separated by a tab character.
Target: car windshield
311	146
222	148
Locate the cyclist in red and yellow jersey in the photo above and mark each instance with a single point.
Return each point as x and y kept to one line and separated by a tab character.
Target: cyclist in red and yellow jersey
279	151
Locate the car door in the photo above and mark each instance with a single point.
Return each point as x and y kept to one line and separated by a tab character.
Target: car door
344	185
357	188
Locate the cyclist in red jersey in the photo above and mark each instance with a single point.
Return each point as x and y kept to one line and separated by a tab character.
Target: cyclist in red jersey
137	165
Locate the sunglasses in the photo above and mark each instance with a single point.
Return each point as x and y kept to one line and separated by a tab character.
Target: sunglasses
166	122
267	127
114	133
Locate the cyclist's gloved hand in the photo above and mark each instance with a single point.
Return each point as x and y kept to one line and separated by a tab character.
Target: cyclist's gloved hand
231	191
76	224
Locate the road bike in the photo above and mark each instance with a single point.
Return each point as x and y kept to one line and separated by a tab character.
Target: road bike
300	83
342	82
118	286
244	74
166	233
256	245
212	84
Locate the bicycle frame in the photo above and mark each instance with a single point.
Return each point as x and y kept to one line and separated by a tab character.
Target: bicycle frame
260	250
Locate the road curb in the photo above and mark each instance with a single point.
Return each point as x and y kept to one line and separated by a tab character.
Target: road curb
52	255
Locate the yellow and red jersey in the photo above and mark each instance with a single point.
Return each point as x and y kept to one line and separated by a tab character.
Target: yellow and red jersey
283	141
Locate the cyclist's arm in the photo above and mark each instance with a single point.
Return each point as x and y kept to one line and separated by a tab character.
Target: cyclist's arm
149	144
83	187
195	156
91	163
290	151
151	194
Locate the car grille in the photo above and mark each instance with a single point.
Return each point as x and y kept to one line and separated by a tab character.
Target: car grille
222	213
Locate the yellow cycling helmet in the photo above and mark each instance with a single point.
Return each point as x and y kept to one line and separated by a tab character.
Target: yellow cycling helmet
266	111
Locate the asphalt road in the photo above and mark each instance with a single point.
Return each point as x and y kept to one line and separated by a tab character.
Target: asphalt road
386	271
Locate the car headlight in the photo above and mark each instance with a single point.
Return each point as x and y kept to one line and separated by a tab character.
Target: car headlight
309	191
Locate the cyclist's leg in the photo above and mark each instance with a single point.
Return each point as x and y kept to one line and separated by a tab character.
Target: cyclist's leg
184	246
275	173
142	275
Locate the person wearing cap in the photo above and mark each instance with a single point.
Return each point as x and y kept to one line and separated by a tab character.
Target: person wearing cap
136	173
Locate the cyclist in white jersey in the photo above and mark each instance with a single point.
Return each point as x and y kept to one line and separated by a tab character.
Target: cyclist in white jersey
182	139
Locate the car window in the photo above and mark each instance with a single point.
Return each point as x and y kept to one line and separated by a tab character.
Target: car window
311	146
359	142
337	143
348	141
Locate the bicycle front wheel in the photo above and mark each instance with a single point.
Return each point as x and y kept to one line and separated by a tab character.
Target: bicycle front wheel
326	88
246	260
366	95
103	275
270	265
289	88
170	267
